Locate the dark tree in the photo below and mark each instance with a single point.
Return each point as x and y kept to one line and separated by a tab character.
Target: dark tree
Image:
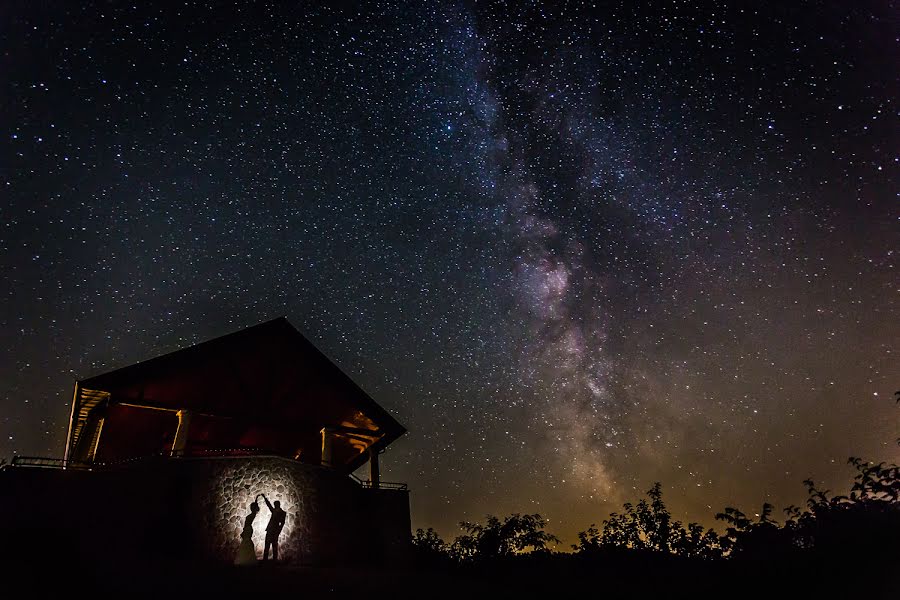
648	526
515	534
429	549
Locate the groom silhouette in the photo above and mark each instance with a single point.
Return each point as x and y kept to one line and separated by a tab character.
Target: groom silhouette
273	529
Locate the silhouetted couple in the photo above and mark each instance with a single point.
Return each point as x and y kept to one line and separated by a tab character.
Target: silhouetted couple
247	551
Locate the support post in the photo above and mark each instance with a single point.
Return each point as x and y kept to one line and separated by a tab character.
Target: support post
327	445
374	469
181	434
72	422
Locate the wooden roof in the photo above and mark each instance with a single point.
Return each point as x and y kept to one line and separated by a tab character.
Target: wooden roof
265	386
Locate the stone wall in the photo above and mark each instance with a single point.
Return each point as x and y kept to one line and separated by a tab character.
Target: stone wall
195	509
227	487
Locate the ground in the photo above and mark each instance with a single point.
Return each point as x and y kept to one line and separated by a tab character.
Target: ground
107	578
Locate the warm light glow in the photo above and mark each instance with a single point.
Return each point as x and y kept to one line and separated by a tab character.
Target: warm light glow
358	442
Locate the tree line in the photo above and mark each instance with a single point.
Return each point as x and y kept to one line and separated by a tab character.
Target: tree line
867	518
852	537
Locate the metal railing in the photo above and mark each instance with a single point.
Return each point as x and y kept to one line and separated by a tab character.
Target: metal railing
204	452
383	485
44	462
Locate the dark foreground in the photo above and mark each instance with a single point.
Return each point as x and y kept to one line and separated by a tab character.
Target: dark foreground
559	576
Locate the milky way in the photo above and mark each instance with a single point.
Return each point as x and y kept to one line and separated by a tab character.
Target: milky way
574	250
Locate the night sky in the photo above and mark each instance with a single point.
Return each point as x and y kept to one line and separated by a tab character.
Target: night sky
574	250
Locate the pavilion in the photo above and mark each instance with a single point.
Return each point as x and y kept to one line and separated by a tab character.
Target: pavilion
186	441
264	388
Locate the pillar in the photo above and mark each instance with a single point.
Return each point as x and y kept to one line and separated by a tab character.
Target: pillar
181	434
76	397
327	443
374	469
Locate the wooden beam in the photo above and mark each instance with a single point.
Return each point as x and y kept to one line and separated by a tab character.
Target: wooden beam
75	397
150	406
372	433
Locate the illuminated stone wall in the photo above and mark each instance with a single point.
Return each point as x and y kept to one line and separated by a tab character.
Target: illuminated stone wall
195	509
234	485
330	518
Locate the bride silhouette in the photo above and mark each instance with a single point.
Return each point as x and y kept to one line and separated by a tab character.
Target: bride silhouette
247	551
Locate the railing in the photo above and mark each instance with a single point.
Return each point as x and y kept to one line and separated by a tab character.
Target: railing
43	462
205	452
383	485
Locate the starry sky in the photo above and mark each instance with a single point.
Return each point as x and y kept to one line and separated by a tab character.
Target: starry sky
575	249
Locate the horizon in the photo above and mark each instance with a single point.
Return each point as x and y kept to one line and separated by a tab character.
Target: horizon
574	251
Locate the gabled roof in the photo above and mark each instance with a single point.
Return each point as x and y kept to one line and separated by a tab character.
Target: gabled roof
266	382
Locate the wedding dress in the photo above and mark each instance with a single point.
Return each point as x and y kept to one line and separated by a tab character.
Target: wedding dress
247	551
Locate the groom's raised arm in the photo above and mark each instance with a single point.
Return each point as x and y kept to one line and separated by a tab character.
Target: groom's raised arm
268	504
